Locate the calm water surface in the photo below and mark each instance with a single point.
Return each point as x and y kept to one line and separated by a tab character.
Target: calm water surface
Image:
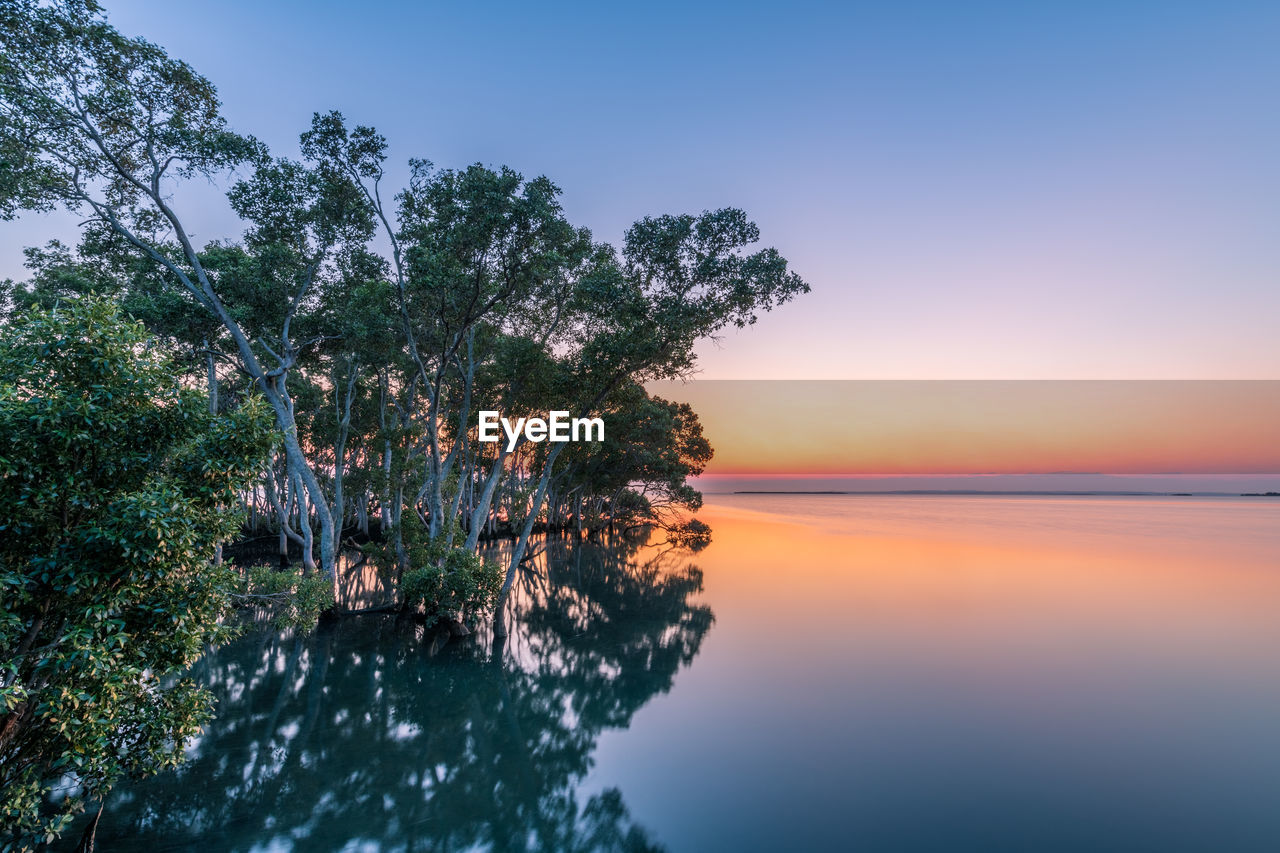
832	672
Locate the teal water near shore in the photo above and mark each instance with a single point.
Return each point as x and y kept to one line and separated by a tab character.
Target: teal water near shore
911	673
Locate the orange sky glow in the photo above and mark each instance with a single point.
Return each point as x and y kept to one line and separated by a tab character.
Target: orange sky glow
986	427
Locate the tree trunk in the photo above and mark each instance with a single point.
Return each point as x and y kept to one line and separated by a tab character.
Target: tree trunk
481	512
499	623
304	527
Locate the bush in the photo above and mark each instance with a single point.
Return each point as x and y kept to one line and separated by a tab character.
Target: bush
444	581
692	534
461	584
293	601
116	484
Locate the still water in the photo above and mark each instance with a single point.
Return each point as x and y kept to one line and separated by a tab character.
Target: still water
832	672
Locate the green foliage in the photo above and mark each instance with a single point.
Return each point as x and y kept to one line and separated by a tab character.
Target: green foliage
461	583
374	363
292	600
115	485
444	581
654	446
88	112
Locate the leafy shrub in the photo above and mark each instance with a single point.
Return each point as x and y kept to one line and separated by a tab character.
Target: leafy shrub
292	600
116	484
461	583
443	580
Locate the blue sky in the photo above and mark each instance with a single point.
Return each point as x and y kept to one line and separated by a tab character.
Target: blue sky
980	190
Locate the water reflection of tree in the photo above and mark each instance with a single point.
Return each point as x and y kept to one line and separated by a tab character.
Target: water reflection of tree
355	736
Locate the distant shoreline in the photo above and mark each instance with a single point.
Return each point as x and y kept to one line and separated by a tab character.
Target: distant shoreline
1006	493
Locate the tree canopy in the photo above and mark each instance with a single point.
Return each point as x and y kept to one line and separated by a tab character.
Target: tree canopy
374	363
115	484
371	323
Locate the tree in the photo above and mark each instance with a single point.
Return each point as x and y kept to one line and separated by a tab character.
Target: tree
374	363
641	473
101	124
679	279
116	485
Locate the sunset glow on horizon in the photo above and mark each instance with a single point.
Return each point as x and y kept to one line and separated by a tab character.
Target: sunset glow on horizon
963	428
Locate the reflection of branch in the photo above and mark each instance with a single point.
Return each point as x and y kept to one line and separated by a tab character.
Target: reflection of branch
603	631
663	548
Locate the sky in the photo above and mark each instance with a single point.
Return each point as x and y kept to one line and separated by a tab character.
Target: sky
1039	435
973	190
